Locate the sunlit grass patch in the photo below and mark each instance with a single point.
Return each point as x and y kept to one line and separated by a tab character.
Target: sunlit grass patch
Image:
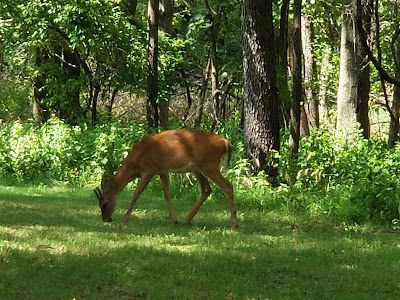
53	245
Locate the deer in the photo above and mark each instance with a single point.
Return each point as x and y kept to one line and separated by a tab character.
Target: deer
170	151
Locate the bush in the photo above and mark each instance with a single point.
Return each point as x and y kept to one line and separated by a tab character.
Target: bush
55	151
354	182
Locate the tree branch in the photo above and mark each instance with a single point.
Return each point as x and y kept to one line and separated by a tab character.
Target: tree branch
363	37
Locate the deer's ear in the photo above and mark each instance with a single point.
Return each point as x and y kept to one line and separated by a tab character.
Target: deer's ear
97	191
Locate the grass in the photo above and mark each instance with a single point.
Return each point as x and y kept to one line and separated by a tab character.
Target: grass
53	245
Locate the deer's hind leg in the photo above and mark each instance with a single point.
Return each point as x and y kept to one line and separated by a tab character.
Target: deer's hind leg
205	191
216	176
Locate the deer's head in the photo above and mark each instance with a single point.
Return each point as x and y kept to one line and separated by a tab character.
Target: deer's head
106	197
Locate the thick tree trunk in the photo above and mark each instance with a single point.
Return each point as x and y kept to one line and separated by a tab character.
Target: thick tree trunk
349	73
152	65
353	91
261	121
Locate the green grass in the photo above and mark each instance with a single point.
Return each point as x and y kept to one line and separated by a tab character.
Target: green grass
53	245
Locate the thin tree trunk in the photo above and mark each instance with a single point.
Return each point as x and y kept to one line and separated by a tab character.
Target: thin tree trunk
152	65
214	68
166	12
323	89
283	65
311	101
202	96
364	81
96	92
394	121
39	111
297	81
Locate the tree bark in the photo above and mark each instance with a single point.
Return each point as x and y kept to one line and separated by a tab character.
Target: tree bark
394	121
350	66
202	96
166	12
282	48
214	68
311	101
261	121
364	84
353	92
152	65
324	104
297	81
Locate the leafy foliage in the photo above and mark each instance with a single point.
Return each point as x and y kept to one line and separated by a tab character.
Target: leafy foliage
353	183
56	152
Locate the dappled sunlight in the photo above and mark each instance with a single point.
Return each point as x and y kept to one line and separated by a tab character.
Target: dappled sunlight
50	240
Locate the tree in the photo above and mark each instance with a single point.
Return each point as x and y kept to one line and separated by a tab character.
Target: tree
152	65
166	14
261	122
353	91
297	81
307	42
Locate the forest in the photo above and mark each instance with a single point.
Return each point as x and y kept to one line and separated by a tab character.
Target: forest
306	91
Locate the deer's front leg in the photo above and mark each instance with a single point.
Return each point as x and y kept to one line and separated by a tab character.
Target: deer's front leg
167	195
144	181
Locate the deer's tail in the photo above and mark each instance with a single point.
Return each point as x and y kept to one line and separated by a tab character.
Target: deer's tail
228	147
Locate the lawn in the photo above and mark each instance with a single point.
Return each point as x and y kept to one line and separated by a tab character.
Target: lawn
53	245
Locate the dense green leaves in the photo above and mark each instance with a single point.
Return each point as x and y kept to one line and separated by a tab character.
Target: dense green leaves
355	182
56	152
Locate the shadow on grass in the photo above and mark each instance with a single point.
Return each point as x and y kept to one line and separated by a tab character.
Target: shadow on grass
269	257
79	209
135	271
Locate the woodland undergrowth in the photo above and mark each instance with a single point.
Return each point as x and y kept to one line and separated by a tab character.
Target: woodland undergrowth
353	182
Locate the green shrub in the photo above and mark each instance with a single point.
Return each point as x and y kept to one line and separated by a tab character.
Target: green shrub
58	152
355	182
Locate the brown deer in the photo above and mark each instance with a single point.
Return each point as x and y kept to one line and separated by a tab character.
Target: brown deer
176	151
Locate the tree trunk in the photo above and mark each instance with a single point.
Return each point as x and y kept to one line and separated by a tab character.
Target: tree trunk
74	112
353	91
214	68
349	72
261	121
297	80
152	65
394	121
202	96
323	89
166	12
311	101
282	48
166	16
364	81
39	111
129	6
